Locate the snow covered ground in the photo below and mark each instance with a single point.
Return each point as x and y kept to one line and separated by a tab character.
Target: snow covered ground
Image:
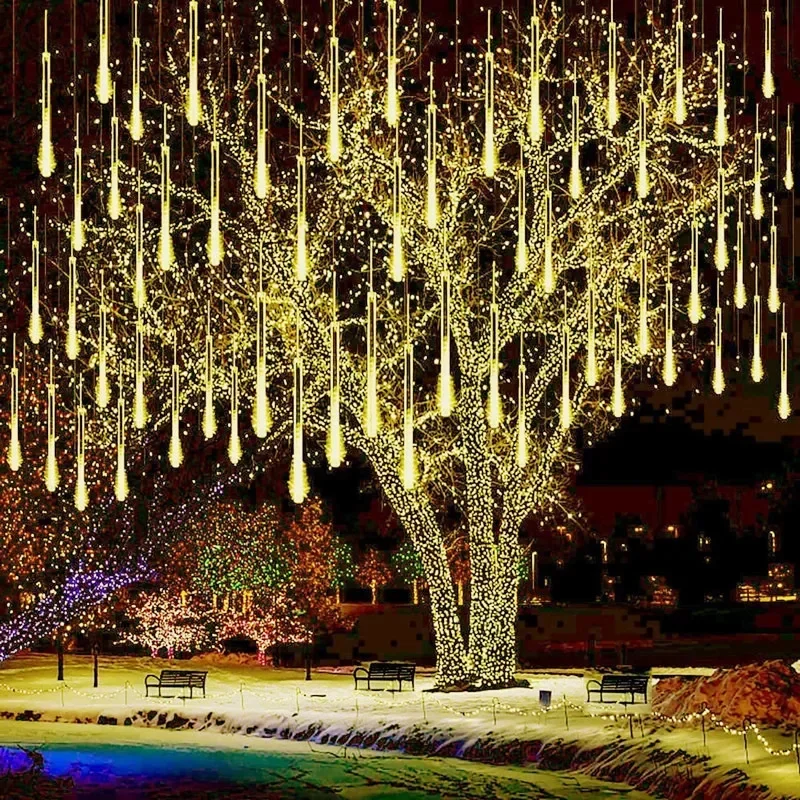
503	726
167	762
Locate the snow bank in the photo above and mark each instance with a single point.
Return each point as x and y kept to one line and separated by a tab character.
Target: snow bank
767	694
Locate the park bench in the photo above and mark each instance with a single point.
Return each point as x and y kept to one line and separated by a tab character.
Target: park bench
385	671
619	684
176	679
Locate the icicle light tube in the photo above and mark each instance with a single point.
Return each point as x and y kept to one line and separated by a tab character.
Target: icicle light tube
768	81
522	424
575	179
758	201
371	418
301	247
14	458
81	493
756	366
718	379
51	476
77	194
102	394
431	198
139	289
166	254
35	331
209	416
773	298
721	124
72	344
784	407
392	99
739	291
194	109
535	117
175	449
261	172
489	147
216	248
114	201
679	109
136	123
234	443
446	390
334	133
334	449
47	156
612	106
103	81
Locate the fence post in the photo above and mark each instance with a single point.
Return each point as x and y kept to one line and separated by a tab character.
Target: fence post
746	752
566	715
494	710
297	699
126	692
796	750
630	724
641	726
425	713
703	726
241	693
62	695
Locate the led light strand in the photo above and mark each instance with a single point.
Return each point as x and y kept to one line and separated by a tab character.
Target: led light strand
35	331
522	243
194	109
216	247
535	118
566	408
139	401
768	81
758	200
739	292
77	195
756	367
721	124
408	465
139	289
721	249
371	417
51	476
612	107
446	390
642	179
262	417
618	398
166	253
114	202
591	330
575	180
718	379
489	149
261	173
103	394
47	156
334	449
209	417
522	423
136	123
679	110
73	344
670	373
298	479
788	175
773	299
14	457
102	86
175	449
432	198
398	264
784	408
81	493
548	278
494	410
301	249
644	334
234	443
334	134
121	478
392	99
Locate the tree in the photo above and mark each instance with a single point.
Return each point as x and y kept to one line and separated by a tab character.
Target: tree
559	242
344	566
163	621
408	565
374	572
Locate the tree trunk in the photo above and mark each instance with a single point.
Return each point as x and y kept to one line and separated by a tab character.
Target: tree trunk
338	595
373	589
95	653
60	654
308	659
415	591
460	588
